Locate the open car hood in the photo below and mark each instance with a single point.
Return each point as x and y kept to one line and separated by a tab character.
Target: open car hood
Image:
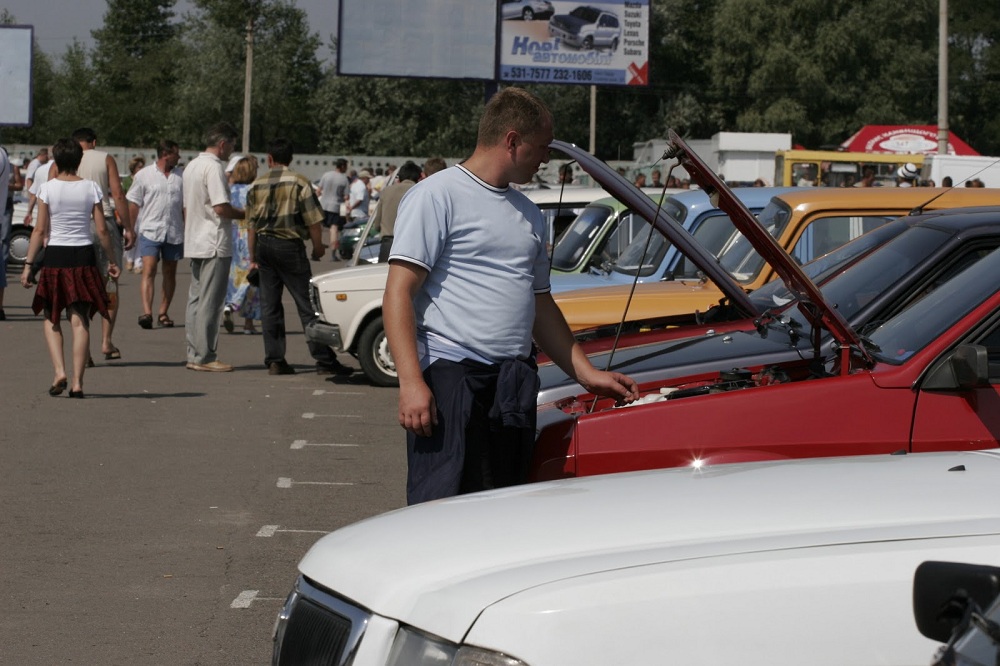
623	190
811	301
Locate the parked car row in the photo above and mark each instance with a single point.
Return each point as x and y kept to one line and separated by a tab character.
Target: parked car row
798	549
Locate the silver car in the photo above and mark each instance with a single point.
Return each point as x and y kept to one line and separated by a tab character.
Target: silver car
527	10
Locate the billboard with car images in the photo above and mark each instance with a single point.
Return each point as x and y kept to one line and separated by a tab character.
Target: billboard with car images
596	43
15	75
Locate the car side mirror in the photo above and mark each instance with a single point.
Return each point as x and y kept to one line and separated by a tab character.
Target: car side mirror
965	367
940	590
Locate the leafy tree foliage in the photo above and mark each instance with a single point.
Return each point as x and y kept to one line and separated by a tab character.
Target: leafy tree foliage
133	73
818	69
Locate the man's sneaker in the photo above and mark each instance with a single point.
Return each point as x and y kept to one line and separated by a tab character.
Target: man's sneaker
280	368
227	319
336	368
214	366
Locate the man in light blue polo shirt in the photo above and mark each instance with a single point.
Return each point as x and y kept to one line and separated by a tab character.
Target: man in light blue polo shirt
468	289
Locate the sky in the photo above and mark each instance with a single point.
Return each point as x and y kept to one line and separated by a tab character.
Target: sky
57	22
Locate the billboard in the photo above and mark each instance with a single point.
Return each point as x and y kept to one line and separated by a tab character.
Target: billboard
598	43
418	38
15	75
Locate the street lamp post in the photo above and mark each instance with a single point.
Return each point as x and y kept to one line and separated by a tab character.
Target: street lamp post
943	78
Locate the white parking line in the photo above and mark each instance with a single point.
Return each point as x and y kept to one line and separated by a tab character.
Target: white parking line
247	597
271	530
301	443
285	482
325	392
312	415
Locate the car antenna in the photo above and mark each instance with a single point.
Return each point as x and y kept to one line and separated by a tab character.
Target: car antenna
635	279
920	209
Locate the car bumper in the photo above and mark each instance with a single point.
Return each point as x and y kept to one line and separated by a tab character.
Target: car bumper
325	333
565	37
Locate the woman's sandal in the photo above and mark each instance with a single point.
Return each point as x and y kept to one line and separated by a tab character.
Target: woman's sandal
76	394
165	321
58	387
146	321
115	353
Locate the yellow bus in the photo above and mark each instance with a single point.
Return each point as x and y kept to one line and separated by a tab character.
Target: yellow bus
830	168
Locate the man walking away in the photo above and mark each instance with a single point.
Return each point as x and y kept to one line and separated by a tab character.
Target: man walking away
208	241
333	186
101	168
385	215
283	211
156	203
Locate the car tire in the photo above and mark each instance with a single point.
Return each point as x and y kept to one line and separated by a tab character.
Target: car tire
528	14
374	356
614	44
345	253
20	237
588	43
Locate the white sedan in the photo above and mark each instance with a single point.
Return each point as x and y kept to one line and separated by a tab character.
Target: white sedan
779	563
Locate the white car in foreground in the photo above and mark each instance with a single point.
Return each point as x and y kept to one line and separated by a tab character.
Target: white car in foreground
795	562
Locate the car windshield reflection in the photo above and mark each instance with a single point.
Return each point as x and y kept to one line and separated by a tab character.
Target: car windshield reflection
570	249
915	327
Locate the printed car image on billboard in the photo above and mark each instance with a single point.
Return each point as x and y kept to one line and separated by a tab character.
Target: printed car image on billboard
595	43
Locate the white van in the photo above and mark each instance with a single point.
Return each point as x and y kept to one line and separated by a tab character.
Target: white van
961	168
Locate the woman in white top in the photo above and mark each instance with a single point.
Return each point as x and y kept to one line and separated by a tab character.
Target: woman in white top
69	279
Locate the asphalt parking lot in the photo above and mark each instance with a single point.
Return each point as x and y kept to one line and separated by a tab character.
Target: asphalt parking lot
159	520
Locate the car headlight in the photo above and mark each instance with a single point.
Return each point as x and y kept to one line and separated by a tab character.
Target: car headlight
412	648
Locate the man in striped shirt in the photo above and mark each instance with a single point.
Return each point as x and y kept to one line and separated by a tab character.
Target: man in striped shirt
283	211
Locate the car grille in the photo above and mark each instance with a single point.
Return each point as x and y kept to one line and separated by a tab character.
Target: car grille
321	628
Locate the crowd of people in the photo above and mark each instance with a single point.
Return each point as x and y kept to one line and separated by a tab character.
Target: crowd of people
242	228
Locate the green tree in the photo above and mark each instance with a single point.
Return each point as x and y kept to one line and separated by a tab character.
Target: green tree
211	72
133	72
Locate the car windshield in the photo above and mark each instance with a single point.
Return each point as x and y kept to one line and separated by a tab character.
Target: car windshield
739	257
820	270
712	230
588	14
579	236
915	327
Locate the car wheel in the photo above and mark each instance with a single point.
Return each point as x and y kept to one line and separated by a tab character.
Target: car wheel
528	14
345	252
588	43
374	356
18	250
614	44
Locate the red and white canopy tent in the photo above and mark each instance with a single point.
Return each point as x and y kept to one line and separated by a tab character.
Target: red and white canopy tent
903	139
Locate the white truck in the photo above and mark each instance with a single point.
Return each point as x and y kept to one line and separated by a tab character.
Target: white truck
961	168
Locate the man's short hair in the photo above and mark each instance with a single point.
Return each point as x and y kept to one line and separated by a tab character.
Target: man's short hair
341	164
67	154
409	171
166	147
220	132
85	135
42	151
433	165
511	109
281	151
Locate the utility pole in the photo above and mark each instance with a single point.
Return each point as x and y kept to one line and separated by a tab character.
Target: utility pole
248	84
593	120
943	78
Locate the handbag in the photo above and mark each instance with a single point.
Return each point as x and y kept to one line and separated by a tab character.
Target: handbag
253	277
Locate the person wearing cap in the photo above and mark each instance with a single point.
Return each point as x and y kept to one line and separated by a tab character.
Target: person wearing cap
906	175
357	204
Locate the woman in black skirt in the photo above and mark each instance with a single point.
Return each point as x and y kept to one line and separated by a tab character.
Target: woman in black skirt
69	207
